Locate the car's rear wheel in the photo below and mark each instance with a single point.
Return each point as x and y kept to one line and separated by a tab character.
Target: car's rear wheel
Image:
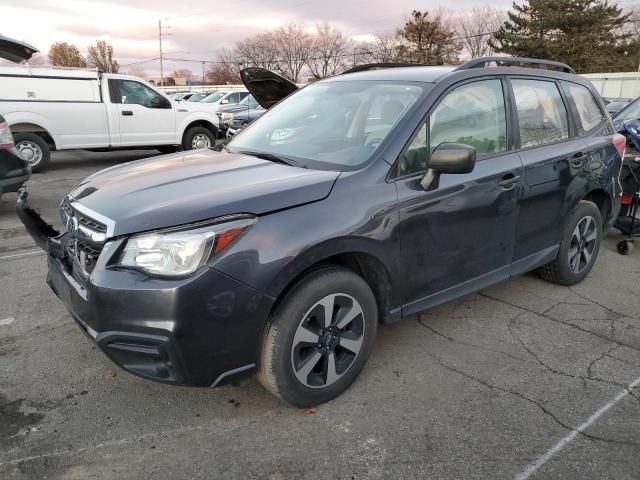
579	246
319	338
34	149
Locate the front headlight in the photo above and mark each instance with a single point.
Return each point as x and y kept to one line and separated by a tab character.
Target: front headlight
180	252
227	117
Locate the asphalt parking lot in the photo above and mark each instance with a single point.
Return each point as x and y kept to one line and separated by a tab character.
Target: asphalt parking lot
522	380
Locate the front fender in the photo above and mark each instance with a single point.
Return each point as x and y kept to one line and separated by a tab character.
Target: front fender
191	118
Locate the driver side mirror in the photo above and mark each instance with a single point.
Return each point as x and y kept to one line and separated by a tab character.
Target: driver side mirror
224	102
160	102
452	158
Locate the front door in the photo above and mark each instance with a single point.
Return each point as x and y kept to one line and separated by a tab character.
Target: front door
145	117
458	235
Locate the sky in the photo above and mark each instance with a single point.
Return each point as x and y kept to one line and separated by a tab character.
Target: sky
197	28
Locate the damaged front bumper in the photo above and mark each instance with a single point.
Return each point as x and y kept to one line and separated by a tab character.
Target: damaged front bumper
202	331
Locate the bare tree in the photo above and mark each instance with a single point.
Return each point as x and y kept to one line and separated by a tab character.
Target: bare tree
225	69
475	28
383	49
294	48
63	54
331	51
100	56
259	51
183	73
137	71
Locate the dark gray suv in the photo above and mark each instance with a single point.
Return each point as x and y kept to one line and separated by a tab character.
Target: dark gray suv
359	199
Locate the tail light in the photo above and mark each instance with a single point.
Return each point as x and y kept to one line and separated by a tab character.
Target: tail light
620	142
6	139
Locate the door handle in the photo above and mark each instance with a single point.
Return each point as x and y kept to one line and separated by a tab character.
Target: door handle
127	113
509	181
578	159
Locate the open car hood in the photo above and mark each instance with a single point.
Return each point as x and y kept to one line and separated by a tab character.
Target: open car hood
14	50
267	87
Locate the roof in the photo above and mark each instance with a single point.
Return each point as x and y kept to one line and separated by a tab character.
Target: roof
46	71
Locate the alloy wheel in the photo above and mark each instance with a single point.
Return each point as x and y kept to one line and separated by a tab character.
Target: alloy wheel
583	244
328	340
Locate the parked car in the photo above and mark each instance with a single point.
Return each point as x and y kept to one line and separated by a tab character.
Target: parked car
197	97
616	106
178	96
223	98
14	170
627	123
242	119
51	108
243	113
361	198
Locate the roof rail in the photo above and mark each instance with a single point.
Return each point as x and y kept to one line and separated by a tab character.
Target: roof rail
516	61
376	66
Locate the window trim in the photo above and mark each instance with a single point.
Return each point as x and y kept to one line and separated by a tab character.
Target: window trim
580	131
570	120
393	176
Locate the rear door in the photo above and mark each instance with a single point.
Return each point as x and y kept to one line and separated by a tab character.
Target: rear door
145	117
457	236
553	156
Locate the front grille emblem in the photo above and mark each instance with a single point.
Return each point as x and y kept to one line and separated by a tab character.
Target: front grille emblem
72	225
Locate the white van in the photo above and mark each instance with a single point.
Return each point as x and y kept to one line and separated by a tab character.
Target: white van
51	108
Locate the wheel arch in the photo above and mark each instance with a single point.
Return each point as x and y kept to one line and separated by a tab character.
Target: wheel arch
602	200
30	127
199	122
365	264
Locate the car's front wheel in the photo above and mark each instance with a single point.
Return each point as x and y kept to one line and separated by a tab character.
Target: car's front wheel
34	149
198	137
579	246
319	338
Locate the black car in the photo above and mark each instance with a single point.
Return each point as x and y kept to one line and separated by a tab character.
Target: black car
241	114
14	170
363	198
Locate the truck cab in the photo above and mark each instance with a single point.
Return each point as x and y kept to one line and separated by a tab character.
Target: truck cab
51	108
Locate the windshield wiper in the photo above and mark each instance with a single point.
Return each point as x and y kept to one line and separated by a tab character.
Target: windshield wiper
272	157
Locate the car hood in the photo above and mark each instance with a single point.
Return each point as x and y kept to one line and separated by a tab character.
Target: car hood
194	186
267	87
14	50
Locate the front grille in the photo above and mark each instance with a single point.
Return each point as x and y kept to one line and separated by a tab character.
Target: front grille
85	238
92	224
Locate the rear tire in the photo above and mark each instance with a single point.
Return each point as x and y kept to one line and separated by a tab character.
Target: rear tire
308	358
198	137
579	246
34	149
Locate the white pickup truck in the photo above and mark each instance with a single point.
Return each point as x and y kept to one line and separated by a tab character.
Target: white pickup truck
51	108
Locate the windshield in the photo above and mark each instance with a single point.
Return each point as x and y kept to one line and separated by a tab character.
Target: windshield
249	101
214	97
196	97
630	112
337	124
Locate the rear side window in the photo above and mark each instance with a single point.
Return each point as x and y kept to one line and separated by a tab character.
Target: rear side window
588	110
542	116
473	114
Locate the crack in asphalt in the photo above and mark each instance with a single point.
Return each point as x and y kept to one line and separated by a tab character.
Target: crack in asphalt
510	326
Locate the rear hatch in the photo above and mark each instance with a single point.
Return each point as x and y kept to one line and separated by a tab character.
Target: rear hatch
267	87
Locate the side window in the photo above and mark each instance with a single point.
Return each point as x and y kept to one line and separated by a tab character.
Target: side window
542	116
130	92
588	109
473	114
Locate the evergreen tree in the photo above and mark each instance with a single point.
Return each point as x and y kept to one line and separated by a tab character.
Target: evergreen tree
427	39
586	34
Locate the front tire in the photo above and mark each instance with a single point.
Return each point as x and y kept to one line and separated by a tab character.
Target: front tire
319	338
34	149
198	137
579	246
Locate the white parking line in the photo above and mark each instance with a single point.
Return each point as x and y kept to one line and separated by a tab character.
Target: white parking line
37	252
7	321
534	466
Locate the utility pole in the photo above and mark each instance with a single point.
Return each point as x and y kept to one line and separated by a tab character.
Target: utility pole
160	40
203	82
